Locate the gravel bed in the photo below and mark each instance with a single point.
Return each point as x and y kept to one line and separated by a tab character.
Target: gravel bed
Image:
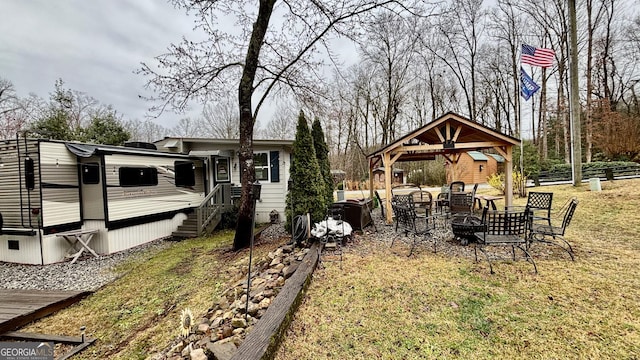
274	232
381	235
87	274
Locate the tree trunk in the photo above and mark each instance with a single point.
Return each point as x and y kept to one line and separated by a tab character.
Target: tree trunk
245	91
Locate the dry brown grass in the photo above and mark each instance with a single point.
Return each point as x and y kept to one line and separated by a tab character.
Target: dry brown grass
138	314
387	306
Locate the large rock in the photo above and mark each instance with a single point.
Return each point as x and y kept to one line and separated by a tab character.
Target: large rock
222	350
253	309
276	261
203	328
198	354
264	303
257	282
239	323
225	332
187	350
216	322
290	270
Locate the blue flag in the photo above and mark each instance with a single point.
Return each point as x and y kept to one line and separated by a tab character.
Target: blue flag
527	86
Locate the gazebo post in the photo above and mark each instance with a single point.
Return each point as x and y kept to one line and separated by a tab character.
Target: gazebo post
454	166
371	181
387	187
508	176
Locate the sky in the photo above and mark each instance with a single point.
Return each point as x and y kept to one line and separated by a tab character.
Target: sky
94	46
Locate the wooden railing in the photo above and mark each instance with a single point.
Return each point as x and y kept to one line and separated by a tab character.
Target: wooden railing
209	213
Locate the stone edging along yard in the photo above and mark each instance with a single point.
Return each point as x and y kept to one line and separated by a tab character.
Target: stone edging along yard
223	333
263	341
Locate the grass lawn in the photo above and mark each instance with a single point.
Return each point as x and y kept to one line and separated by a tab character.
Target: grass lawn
387	306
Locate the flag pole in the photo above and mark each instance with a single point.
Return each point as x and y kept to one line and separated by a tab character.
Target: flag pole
539	57
521	185
520	126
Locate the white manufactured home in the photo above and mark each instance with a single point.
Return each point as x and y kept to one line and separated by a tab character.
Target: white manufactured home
272	159
128	195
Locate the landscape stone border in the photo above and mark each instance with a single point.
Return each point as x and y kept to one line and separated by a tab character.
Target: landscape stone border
263	340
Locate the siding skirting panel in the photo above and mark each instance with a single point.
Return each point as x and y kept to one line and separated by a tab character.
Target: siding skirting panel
28	253
126	238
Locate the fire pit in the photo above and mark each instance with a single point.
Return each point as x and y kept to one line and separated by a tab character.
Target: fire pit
464	226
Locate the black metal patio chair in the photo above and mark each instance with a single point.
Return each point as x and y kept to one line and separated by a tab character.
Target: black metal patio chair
456	186
553	232
409	222
503	228
540	202
422	201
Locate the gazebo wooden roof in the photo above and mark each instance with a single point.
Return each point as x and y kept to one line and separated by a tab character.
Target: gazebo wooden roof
448	135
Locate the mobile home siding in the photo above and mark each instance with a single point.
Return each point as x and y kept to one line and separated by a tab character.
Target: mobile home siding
28	253
273	194
60	187
145	213
17	201
115	240
137	201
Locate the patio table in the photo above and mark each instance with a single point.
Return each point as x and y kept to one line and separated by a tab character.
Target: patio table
490	200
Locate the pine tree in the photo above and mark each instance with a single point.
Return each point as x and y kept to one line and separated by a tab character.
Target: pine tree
307	190
105	129
322	152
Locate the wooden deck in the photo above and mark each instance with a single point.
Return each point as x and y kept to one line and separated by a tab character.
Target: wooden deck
20	307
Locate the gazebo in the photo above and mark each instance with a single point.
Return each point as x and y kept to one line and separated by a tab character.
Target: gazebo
449	136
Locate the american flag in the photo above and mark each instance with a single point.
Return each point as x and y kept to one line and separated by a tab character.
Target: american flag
537	56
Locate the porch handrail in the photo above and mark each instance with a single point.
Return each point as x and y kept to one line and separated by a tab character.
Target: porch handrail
210	208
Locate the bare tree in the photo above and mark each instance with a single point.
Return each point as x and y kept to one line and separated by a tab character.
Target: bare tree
595	12
187	127
282	124
12	117
506	24
552	32
220	119
456	44
145	131
7	96
632	53
633	34
259	58
496	103
390	48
